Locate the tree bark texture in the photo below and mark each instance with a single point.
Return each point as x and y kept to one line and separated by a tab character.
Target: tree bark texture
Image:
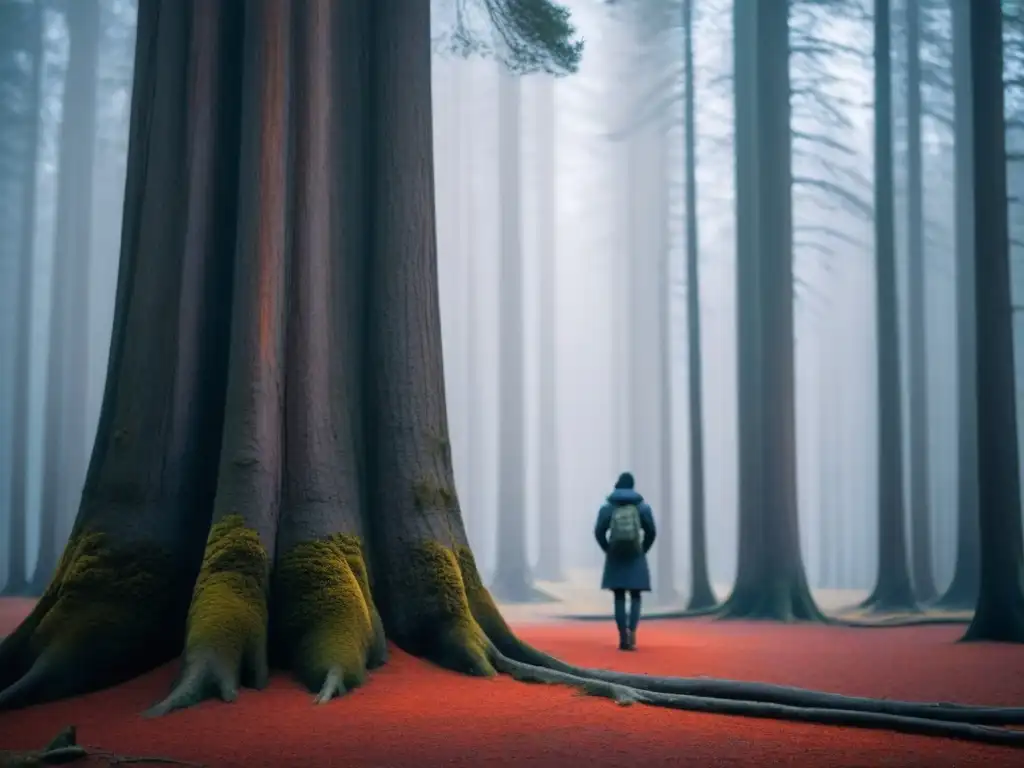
271	481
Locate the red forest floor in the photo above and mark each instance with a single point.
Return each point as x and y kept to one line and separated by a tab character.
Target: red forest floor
413	714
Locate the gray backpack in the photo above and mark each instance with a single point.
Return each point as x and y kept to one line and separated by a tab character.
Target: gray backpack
625	535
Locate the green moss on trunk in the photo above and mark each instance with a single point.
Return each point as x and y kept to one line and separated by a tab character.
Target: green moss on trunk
109	614
438	620
324	618
228	615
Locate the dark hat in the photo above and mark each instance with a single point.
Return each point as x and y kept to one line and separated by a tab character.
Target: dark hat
625	481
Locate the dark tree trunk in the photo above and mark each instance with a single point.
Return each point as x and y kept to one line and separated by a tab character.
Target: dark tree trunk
999	614
770	580
963	590
701	594
17	578
512	579
893	590
549	524
65	436
920	489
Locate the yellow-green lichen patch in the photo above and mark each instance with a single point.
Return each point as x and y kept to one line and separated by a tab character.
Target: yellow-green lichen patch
321	610
481	604
445	629
353	550
486	612
228	615
122	607
430	495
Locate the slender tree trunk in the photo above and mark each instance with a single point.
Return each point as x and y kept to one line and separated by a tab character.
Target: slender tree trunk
893	590
701	594
999	614
512	580
770	580
920	487
549	564
963	590
747	267
65	437
17	580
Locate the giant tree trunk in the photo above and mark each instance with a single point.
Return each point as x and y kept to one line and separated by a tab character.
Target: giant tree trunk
325	426
549	524
17	575
65	435
701	594
893	589
963	590
770	580
512	580
999	614
920	489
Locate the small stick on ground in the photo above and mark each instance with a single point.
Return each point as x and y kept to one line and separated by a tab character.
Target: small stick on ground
63	748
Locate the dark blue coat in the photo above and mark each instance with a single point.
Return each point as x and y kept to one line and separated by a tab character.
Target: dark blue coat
630	572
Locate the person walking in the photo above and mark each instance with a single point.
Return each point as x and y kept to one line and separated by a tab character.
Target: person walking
625	531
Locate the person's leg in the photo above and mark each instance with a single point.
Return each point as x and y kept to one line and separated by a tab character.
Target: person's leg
635	605
620	617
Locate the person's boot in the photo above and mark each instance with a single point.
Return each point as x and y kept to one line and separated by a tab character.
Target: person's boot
631	640
624	640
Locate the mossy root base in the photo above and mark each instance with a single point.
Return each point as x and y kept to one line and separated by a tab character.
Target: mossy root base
327	628
107	616
331	633
226	631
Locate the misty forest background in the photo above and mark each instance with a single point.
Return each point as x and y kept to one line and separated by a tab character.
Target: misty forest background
563	239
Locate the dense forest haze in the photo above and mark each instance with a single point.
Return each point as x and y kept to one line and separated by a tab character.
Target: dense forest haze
587	238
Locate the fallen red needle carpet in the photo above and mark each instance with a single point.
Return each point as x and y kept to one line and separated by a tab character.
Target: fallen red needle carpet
413	714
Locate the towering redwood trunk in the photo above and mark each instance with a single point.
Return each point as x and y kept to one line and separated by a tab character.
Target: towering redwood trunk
17	574
893	589
770	579
920	488
549	525
963	590
701	594
999	614
511	576
65	435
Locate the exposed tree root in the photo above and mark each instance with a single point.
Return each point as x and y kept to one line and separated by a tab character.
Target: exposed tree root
511	655
328	631
625	695
107	616
766	693
64	748
226	635
883	621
